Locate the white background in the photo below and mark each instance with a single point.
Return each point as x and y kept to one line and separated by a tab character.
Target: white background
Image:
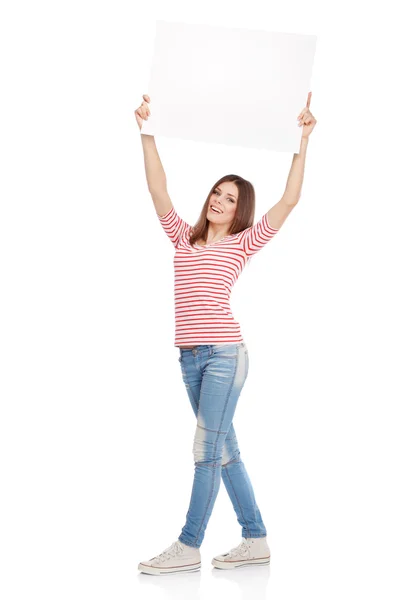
96	429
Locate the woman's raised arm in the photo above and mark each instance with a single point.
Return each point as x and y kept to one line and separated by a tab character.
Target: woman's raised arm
155	174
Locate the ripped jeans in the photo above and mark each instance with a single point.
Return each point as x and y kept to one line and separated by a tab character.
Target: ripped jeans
214	376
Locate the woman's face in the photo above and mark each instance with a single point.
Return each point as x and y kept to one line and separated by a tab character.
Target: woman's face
225	198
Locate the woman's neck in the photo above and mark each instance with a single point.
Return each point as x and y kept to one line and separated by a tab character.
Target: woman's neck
214	234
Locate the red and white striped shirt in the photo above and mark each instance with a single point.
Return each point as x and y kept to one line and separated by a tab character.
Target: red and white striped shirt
204	277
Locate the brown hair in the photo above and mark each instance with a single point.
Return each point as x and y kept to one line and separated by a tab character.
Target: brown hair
244	216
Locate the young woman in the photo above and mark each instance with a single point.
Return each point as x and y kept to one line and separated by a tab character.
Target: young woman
209	258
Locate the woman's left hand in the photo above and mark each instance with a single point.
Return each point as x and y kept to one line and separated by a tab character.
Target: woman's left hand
306	119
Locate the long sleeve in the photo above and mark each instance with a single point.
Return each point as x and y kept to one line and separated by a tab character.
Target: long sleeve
255	237
173	226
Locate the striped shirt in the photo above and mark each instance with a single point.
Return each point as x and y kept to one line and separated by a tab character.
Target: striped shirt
204	277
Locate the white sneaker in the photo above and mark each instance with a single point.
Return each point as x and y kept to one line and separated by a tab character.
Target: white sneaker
251	551
178	557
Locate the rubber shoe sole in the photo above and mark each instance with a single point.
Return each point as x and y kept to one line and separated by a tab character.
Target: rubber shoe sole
234	564
168	570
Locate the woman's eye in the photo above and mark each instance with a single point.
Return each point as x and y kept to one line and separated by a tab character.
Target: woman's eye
231	199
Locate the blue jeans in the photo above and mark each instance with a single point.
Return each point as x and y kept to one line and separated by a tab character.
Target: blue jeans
214	376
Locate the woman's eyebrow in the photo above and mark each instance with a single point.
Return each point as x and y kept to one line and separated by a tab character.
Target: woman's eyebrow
218	188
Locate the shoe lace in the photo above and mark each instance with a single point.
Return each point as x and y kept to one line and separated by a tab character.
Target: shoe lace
175	549
241	550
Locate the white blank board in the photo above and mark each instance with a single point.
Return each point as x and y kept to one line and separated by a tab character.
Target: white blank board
230	86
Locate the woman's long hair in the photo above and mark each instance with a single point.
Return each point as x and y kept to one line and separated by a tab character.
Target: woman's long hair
245	209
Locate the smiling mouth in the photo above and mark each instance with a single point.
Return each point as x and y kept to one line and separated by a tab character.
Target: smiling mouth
214	210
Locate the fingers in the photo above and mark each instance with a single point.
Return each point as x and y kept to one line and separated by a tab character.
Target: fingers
144	111
303	112
302	117
305	116
146	106
307	106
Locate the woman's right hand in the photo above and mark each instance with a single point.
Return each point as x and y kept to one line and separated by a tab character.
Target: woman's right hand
143	111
